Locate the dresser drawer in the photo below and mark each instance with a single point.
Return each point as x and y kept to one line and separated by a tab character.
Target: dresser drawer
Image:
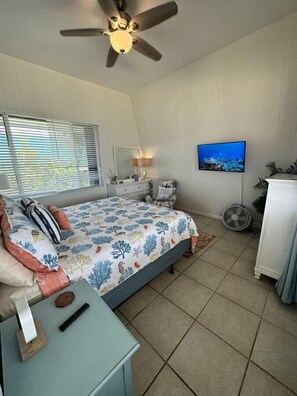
141	187
125	190
136	190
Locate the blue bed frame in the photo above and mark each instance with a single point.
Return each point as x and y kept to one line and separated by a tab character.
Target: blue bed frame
120	293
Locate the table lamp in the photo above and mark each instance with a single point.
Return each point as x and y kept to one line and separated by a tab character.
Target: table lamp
133	163
144	163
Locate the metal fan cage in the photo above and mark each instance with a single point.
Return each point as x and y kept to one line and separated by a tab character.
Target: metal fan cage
236	217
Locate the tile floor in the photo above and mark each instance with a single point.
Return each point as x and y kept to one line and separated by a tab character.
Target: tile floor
212	328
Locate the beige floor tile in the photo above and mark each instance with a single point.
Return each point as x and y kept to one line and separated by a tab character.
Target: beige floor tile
131	307
207	274
275	351
232	323
215	229
254	242
161	281
168	384
200	252
249	253
120	316
217	222
259	383
244	293
245	269
146	364
280	314
183	263
219	258
202	220
242	237
163	325
207	364
229	247
188	295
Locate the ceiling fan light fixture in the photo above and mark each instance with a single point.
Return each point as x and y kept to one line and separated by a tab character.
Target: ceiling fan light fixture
121	41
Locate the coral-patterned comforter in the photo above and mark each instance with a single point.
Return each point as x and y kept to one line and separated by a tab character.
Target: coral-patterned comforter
114	238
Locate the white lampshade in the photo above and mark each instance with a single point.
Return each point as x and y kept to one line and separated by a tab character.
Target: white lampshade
121	41
4	182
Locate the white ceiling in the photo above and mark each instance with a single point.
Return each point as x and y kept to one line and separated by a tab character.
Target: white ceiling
29	30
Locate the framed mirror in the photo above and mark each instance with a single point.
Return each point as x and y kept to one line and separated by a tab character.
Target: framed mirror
122	156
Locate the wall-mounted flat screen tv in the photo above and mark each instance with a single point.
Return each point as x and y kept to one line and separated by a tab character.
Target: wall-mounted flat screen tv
222	157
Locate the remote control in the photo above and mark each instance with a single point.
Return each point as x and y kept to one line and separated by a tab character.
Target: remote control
73	317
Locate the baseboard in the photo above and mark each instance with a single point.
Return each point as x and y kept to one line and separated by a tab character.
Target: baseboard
255	226
212	216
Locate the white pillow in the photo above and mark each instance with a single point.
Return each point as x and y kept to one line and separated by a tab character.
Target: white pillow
164	193
12	272
8	294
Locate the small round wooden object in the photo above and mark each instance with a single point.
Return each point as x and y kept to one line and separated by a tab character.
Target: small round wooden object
64	299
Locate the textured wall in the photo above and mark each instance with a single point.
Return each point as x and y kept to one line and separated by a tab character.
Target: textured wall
246	91
27	88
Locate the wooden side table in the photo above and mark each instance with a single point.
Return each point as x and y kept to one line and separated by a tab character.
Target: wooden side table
92	357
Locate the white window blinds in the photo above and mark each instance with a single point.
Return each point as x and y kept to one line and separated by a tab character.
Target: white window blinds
43	156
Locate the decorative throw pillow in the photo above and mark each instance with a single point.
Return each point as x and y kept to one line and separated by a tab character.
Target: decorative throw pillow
26	202
164	193
60	217
13	272
169	183
8	294
8	202
2	203
45	221
24	241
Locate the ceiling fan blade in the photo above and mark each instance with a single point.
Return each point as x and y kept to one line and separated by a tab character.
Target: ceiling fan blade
110	10
111	57
146	49
82	32
154	16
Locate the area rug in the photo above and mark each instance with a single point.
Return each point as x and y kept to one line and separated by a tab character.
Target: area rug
203	240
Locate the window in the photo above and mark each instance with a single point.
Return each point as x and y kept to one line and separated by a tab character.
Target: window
43	156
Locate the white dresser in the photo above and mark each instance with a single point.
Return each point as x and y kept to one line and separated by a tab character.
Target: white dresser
133	190
279	222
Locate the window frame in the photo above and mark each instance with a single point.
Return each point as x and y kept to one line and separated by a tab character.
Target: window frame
7	113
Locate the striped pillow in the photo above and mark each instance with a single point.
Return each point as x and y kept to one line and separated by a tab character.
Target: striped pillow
60	217
45	221
26	202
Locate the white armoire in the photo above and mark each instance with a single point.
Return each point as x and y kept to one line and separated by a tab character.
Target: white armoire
278	227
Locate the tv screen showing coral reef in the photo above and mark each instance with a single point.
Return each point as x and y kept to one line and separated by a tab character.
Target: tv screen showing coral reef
222	157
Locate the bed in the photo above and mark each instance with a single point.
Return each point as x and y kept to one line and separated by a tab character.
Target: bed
119	245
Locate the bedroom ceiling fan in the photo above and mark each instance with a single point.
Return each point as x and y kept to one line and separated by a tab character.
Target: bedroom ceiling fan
122	28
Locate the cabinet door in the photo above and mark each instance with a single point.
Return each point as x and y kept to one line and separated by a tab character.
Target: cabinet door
278	226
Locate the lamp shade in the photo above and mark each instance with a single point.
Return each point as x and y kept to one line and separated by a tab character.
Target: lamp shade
133	162
4	182
144	162
121	41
